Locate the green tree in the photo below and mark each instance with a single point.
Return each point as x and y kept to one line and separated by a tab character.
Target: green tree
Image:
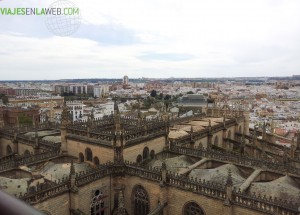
153	93
167	97
25	119
190	92
4	98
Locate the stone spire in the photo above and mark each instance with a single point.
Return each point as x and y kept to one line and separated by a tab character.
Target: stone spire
228	186
118	136
121	208
72	168
65	120
163	173
293	148
92	114
229	181
264	131
272	127
65	116
37	144
36	135
117	117
116	107
140	115
72	177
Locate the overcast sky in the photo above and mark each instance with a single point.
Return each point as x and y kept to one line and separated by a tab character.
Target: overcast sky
155	38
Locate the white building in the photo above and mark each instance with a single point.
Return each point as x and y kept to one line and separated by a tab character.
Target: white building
76	109
98	91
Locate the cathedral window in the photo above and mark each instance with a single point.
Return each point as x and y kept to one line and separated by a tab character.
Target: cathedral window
141	201
81	157
145	153
89	154
26	153
229	134
192	208
139	159
98	204
8	150
152	154
96	161
216	141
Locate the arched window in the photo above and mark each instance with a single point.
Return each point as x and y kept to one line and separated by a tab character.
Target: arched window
152	154
139	159
229	134
96	161
81	157
88	154
216	141
192	208
140	201
145	153
240	129
97	203
8	150
26	153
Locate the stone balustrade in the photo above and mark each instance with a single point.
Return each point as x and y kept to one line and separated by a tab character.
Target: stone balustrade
213	190
235	158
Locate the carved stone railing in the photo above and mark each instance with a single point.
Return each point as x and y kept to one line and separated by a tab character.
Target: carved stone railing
7	165
7	133
200	134
197	186
7	158
93	175
153	174
202	187
92	141
187	118
230	122
266	205
26	139
52	146
28	160
44	194
27	128
102	136
235	142
143	138
236	158
217	191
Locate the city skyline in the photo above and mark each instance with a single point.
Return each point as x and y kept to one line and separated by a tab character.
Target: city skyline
159	40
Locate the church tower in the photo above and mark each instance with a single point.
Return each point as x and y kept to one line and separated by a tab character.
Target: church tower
118	139
65	121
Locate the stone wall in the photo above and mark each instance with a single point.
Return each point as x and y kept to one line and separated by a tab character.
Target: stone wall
201	142
23	147
132	152
104	154
152	188
86	192
56	205
3	144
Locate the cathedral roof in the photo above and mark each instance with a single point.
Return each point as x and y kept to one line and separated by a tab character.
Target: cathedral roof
285	188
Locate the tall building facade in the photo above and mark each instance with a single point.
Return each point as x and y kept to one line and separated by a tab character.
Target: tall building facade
125	80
